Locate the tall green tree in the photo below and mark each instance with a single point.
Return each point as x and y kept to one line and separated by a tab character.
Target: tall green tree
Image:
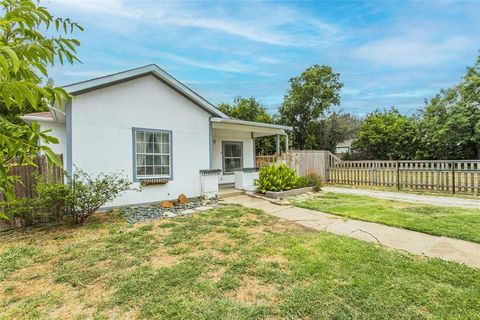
385	135
449	124
313	92
31	40
250	109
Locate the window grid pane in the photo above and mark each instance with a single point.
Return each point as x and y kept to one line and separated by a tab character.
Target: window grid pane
152	153
232	156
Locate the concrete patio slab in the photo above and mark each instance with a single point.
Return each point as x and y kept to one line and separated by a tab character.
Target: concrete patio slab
407	240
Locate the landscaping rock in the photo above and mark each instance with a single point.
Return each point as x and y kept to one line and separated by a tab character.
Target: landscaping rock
169	214
187	212
166	204
203	208
182	199
155	211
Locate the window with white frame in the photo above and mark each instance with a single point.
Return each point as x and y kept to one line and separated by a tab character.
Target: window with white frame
153	154
232	156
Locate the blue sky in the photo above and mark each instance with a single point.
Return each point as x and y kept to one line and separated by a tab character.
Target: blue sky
387	52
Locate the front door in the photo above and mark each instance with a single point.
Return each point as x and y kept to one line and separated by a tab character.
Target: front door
232	158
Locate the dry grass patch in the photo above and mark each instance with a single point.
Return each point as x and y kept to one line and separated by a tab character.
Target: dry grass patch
253	292
162	259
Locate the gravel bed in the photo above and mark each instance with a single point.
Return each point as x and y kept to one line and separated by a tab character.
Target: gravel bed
135	214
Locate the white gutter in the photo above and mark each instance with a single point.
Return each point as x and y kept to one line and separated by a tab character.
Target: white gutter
35	118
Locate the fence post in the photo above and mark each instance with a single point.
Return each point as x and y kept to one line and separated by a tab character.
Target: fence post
398	176
453	177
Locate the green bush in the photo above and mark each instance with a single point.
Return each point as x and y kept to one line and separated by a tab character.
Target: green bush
310	180
24	208
78	199
87	194
52	198
277	177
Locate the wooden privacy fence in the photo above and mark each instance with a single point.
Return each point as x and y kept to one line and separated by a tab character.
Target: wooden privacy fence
303	161
452	176
307	161
25	184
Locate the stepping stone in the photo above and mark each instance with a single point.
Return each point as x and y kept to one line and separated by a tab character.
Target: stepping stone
188	211
169	214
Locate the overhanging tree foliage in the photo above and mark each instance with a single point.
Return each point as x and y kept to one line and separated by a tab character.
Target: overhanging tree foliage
31	40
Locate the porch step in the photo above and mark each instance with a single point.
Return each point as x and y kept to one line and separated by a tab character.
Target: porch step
231	194
228	191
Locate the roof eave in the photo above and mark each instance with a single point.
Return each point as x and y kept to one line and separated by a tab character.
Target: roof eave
152	69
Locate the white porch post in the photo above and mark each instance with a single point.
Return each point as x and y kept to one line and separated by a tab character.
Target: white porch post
278	144
254	151
286	148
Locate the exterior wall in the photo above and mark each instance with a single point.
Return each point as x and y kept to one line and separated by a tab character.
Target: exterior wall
102	122
220	135
342	149
58	131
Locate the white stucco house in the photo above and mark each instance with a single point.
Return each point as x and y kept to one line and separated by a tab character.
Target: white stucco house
153	128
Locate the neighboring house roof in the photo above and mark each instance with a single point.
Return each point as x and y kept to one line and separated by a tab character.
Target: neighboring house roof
151	69
345	144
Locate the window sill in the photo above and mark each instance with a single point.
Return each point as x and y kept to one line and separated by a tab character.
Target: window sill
151	181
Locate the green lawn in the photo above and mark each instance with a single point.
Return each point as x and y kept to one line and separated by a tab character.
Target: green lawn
227	263
451	222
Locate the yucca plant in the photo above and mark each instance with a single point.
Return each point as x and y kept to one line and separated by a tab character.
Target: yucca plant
277	177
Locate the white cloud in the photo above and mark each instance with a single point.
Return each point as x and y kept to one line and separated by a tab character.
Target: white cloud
231	66
86	73
258	23
109	7
411	50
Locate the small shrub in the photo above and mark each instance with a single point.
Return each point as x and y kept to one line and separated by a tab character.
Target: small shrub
310	180
52	198
277	177
24	208
303	182
87	194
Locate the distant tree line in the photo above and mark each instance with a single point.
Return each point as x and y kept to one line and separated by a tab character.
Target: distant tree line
447	127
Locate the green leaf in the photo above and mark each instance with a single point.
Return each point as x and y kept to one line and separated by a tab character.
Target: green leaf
3	216
52	156
13	57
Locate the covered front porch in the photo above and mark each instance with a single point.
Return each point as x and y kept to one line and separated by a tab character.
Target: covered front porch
232	145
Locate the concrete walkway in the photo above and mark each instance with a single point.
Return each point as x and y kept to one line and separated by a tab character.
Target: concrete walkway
411	241
409	197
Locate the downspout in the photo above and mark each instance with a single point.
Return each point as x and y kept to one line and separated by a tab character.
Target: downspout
68	127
